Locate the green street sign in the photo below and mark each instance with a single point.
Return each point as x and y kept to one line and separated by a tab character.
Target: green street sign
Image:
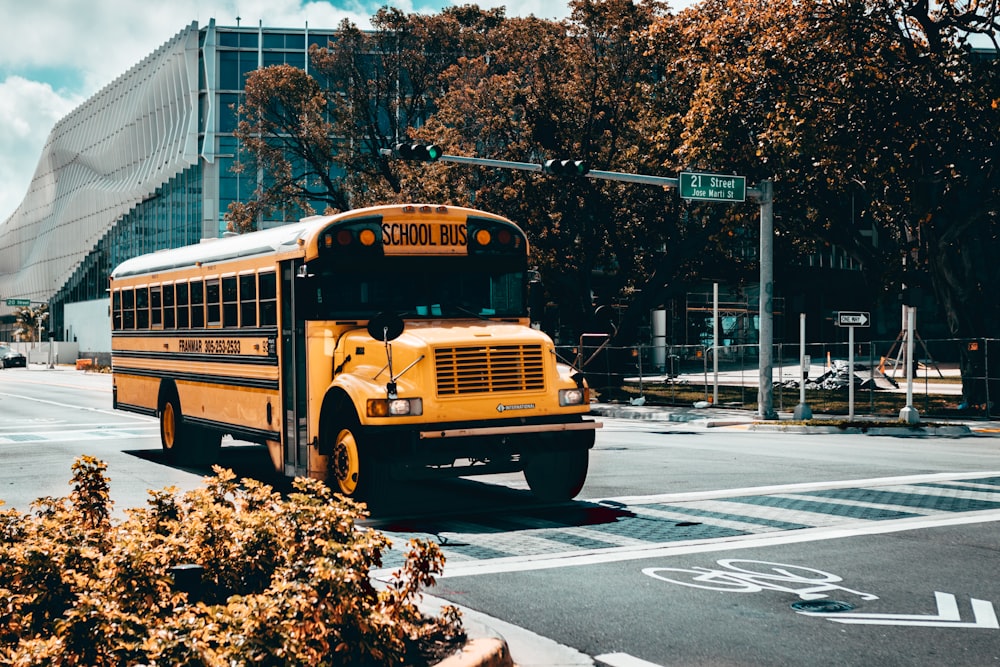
18	302
713	187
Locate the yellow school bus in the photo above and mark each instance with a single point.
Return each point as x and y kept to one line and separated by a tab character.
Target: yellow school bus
383	343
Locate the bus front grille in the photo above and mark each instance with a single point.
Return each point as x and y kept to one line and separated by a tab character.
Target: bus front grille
489	368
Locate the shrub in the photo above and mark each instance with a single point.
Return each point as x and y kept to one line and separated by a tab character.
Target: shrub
285	580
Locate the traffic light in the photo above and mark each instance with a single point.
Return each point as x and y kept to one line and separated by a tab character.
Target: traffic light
417	152
566	167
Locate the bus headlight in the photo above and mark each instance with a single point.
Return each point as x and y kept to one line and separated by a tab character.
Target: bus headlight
395	407
576	396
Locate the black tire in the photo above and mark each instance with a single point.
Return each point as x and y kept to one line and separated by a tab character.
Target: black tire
183	443
354	469
557	474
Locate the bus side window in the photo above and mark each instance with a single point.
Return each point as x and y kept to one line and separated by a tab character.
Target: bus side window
142	308
128	309
197	304
156	307
213	306
268	299
183	310
116	310
230	302
168	307
248	300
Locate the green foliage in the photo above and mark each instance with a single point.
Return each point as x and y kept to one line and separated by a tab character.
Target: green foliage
286	581
873	120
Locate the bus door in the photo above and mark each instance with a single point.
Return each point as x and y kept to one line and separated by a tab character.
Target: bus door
293	373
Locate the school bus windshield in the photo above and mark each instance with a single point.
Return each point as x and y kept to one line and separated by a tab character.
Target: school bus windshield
423	289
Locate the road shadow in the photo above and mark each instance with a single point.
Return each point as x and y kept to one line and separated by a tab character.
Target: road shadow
421	506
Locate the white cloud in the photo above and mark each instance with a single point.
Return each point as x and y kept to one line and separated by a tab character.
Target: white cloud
57	53
28	111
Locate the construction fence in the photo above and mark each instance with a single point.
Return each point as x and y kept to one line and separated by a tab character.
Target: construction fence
949	377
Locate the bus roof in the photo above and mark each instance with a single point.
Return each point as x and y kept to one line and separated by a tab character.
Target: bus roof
270	241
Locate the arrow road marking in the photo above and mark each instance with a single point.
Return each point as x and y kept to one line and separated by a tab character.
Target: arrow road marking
948	615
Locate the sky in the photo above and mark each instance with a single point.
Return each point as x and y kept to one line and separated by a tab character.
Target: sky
57	53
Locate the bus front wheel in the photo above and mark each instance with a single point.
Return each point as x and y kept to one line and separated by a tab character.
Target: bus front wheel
557	474
354	469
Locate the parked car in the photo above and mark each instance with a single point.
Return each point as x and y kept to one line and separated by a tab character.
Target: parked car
12	358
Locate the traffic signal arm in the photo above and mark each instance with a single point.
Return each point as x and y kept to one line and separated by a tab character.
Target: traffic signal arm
662	181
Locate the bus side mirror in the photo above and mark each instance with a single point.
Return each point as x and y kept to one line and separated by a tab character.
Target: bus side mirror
385	327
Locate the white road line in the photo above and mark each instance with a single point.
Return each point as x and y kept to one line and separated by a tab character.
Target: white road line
617	554
767	512
856	503
578	531
789	488
734	524
77	435
623	660
102	411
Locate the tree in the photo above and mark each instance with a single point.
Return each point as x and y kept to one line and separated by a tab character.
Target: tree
559	90
389	81
30	321
287	144
836	98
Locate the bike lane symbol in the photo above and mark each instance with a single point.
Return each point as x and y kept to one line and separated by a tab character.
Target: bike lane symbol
737	575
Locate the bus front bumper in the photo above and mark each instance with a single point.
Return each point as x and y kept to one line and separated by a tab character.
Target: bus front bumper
509	430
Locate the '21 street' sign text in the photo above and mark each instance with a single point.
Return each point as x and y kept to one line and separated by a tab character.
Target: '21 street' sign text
713	187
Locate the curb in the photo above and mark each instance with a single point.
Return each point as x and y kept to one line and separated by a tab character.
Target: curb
480	652
653	413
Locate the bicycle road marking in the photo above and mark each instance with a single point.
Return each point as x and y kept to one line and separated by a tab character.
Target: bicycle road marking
737	575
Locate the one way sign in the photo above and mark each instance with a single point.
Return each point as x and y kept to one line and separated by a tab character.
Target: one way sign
852	319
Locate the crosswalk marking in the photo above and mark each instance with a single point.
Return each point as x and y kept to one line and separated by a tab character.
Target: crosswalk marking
83	433
629	527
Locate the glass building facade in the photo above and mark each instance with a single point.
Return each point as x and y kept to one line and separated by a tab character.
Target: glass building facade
143	165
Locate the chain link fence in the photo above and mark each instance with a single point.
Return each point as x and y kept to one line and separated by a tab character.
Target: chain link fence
950	377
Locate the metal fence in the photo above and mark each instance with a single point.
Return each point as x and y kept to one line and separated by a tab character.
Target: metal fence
682	374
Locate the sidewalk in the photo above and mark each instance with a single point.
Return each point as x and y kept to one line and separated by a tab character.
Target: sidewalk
710	417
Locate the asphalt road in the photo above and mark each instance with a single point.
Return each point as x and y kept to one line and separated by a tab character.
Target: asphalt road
688	545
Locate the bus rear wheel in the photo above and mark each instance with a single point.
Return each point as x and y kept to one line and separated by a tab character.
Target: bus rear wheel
183	443
557	474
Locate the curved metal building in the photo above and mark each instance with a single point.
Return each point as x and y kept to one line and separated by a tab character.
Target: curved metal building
143	165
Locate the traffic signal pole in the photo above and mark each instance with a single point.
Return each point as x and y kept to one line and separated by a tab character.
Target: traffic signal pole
762	193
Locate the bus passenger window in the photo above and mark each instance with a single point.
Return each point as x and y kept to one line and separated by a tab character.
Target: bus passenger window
156	307
116	310
142	308
197	304
230	304
248	300
168	307
183	312
128	309
268	299
213	306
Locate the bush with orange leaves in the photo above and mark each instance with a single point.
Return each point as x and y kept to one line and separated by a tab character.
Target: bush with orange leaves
285	581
